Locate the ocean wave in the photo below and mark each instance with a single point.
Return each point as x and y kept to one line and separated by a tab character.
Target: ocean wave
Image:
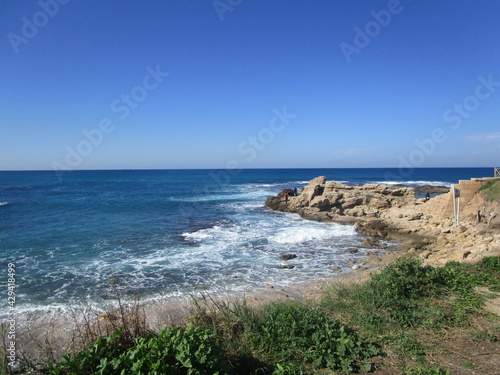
274	186
233	196
3	203
221	233
307	233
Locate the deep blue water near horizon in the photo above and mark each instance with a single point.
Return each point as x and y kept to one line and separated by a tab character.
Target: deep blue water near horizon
163	233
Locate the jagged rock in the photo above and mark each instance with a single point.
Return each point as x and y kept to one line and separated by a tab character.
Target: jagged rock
322	204
380	203
415	216
355	212
352	202
351	250
425	254
333	185
286	266
288	256
374	260
369	242
432	189
318	181
382	233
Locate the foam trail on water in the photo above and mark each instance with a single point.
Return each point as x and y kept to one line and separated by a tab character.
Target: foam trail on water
415	183
306	233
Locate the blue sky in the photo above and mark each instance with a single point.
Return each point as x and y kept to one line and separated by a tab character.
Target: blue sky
249	84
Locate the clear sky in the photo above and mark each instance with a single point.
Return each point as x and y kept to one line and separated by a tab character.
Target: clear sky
249	83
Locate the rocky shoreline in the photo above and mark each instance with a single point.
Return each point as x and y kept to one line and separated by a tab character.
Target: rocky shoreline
382	212
391	212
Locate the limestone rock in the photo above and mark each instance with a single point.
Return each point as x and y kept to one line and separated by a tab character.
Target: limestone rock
393	213
352	202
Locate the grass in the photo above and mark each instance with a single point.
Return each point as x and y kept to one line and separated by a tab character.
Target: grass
491	190
383	324
408	300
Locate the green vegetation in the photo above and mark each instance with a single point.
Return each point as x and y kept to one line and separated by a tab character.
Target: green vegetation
407	295
189	350
383	323
407	299
287	338
491	190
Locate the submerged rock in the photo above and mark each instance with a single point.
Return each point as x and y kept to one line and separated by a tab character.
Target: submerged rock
288	256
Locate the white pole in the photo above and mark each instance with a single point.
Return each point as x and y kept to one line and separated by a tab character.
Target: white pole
454	207
458	212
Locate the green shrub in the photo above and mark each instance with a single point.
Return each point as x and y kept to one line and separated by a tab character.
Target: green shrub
491	190
412	295
287	333
175	351
407	297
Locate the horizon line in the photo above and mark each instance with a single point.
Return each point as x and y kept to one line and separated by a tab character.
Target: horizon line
221	169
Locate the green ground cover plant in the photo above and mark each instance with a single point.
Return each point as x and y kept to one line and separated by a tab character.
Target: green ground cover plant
189	350
286	338
492	190
406	299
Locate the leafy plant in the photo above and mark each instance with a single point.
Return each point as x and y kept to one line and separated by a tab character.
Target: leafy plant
176	351
286	333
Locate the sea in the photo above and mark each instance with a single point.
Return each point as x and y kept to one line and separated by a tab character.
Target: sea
160	234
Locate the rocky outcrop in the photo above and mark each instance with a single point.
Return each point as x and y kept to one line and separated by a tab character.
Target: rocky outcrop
333	201
392	212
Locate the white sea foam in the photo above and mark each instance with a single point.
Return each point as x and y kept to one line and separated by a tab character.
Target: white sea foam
431	183
234	196
415	183
3	203
305	233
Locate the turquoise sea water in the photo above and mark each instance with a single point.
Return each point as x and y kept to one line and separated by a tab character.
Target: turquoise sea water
162	233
